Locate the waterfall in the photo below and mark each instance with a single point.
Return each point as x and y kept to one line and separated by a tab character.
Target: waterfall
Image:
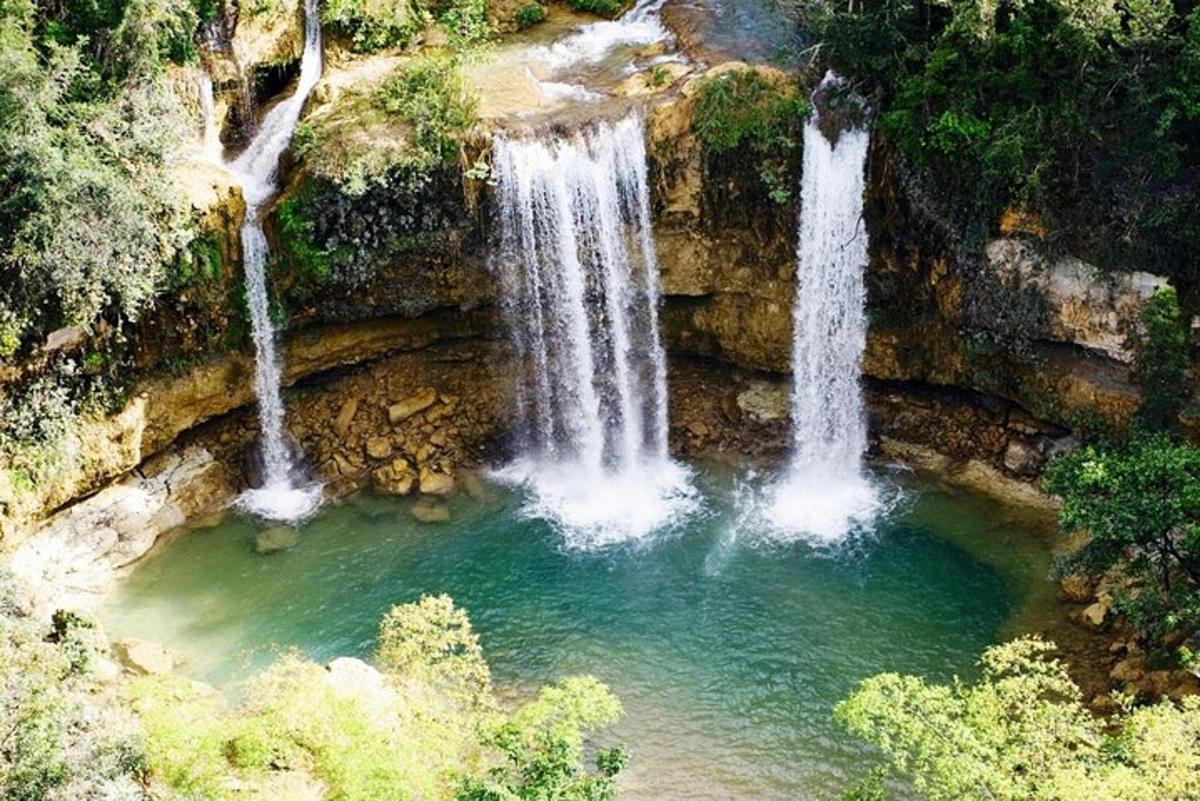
209	133
577	262
825	491
280	497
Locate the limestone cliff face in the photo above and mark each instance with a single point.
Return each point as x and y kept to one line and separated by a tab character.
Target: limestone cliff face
995	360
984	367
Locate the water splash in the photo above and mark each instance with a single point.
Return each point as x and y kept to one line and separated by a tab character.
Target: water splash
576	258
282	496
825	492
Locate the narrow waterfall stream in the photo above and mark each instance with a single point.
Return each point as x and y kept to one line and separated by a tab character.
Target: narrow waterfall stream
824	492
281	497
576	258
210	138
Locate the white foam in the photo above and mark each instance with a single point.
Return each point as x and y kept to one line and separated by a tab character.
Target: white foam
591	43
283	503
599	508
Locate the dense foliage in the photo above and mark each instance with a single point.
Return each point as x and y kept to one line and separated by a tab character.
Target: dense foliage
743	111
396	23
59	743
1021	733
1162	360
87	222
1082	111
605	8
1139	505
428	726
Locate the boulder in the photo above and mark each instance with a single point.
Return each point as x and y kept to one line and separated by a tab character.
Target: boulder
379	447
1022	458
1086	307
1094	616
436	484
279	538
472	486
396	478
1128	670
345	416
143	657
765	401
402	410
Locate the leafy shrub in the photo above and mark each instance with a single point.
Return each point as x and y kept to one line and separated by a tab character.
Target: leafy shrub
530	15
59	741
427	727
742	110
466	21
1139	505
1162	359
605	8
1021	733
429	95
432	639
373	26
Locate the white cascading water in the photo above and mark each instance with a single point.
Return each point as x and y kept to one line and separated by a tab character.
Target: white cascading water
589	45
825	492
280	497
576	258
210	137
592	42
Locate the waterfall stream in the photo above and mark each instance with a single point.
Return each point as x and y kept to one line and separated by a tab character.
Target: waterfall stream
825	492
577	262
281	497
210	137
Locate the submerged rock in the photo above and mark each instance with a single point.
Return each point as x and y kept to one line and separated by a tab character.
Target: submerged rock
143	657
431	512
279	538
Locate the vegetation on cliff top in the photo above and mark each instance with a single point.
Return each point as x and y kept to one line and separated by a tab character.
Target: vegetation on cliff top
87	222
745	111
412	123
1082	111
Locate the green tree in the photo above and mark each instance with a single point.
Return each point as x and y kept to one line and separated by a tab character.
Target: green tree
1021	733
1162	360
1139	506
425	726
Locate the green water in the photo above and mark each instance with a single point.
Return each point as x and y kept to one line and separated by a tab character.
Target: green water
728	656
